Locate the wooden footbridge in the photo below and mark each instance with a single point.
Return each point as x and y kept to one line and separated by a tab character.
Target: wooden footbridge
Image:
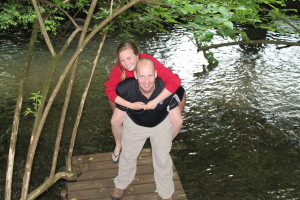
97	173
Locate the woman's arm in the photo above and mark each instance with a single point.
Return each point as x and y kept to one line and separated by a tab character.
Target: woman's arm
111	84
162	96
110	90
135	106
171	80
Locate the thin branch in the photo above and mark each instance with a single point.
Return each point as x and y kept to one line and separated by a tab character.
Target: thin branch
283	19
75	128
72	77
248	43
84	95
65	12
43	28
111	7
62	120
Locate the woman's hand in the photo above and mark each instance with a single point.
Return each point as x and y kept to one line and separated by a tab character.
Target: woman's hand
137	106
151	105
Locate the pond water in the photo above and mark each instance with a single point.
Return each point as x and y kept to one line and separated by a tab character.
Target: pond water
241	132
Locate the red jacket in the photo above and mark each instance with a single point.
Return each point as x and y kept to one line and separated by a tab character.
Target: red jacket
171	80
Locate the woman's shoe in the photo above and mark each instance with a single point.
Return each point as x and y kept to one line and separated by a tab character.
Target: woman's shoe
113	157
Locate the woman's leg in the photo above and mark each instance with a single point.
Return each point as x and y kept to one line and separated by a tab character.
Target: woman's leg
181	104
176	121
175	116
117	128
112	106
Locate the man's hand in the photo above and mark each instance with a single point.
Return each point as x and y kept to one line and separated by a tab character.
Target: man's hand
151	105
138	106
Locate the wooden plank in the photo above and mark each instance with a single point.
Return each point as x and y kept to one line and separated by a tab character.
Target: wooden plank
178	195
111	173
108	182
140	190
97	174
102	165
103	157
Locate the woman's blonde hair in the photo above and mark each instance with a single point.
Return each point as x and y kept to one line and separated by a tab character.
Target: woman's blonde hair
123	46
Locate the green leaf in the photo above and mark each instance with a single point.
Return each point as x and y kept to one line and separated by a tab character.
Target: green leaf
225	13
244	36
197	27
210	57
228	24
27	111
207	37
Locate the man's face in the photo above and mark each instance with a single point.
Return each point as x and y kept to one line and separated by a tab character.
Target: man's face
145	76
128	59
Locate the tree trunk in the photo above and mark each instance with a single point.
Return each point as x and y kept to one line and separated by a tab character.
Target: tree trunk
49	182
15	126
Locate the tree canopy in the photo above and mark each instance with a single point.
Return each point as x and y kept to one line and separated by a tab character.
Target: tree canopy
199	16
204	19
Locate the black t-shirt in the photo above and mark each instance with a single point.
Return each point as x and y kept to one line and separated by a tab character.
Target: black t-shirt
129	90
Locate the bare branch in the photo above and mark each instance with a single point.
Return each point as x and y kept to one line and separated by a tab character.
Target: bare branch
62	119
72	77
248	43
67	14
82	102
49	182
43	28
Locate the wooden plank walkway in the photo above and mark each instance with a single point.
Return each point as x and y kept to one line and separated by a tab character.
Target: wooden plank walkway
97	173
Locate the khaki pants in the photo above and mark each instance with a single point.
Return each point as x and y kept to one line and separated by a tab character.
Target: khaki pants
133	140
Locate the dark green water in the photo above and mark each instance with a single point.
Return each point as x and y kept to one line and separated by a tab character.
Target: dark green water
241	132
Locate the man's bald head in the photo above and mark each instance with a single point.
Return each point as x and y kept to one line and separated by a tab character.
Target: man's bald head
144	63
145	74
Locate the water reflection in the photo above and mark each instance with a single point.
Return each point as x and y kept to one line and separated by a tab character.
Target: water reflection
240	138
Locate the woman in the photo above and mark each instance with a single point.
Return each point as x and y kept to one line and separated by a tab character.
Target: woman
128	55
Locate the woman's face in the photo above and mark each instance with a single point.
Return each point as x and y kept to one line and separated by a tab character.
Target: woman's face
128	59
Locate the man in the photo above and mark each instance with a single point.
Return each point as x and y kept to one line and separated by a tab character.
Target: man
142	124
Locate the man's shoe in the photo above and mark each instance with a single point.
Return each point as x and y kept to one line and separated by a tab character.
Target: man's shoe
117	194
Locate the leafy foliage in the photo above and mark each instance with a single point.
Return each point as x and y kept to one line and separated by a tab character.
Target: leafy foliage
15	15
141	19
22	14
37	100
205	19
